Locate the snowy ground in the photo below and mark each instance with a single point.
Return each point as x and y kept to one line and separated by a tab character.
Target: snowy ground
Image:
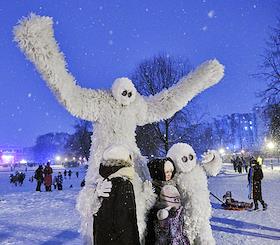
28	217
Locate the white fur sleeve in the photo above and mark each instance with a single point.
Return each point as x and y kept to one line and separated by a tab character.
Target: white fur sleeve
166	103
35	37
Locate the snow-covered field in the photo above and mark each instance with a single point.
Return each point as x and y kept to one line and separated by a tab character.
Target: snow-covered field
41	218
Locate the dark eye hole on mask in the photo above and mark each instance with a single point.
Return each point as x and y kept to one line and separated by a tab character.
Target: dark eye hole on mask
124	93
129	94
191	157
184	159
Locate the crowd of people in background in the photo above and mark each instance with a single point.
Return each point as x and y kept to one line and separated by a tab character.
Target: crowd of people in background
17	178
44	176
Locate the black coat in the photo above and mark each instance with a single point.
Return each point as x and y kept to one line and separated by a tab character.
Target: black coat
39	174
256	182
116	223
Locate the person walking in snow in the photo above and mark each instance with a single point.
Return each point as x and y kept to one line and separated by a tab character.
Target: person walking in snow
48	177
65	173
59	181
69	173
255	177
77	174
39	177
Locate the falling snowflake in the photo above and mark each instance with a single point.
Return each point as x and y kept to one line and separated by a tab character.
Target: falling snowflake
211	14
57	22
204	28
29	95
111	32
19	129
254	6
110	42
147	10
80	9
100	7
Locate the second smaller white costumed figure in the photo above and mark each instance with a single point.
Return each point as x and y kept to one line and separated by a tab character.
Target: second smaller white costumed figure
191	181
123	200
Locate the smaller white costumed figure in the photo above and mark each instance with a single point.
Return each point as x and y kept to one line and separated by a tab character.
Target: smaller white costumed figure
121	200
192	184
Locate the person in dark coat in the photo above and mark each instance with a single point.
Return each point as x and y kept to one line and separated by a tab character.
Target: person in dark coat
115	222
255	177
65	173
69	173
59	181
48	177
39	177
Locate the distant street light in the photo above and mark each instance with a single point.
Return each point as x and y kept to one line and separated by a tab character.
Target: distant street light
270	145
222	151
58	158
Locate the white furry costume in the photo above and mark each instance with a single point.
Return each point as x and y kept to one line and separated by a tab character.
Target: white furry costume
192	184
115	115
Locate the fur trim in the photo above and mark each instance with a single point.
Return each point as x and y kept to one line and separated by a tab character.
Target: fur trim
117	163
126	173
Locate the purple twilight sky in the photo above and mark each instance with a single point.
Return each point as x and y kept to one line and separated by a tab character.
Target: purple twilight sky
103	40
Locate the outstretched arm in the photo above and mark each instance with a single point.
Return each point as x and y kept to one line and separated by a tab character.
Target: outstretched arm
166	103
35	37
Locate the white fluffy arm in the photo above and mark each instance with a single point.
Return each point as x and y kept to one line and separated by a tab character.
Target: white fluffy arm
166	103
35	37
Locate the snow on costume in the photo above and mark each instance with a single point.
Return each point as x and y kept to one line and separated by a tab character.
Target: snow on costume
115	113
192	184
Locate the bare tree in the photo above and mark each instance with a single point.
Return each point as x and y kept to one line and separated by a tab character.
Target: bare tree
271	67
270	71
79	143
151	77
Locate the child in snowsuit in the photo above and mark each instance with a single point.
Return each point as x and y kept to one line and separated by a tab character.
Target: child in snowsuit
169	226
115	222
165	222
230	203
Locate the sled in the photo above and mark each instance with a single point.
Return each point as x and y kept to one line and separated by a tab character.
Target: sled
227	207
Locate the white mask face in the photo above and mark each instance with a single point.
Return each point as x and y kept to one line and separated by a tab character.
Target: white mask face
124	91
183	156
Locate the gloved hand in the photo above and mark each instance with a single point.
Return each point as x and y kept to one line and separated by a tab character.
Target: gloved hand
162	214
103	188
208	156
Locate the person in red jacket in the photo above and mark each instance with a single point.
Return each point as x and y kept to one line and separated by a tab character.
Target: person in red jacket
48	177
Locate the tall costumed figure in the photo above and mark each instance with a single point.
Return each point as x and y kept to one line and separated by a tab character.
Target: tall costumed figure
115	113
